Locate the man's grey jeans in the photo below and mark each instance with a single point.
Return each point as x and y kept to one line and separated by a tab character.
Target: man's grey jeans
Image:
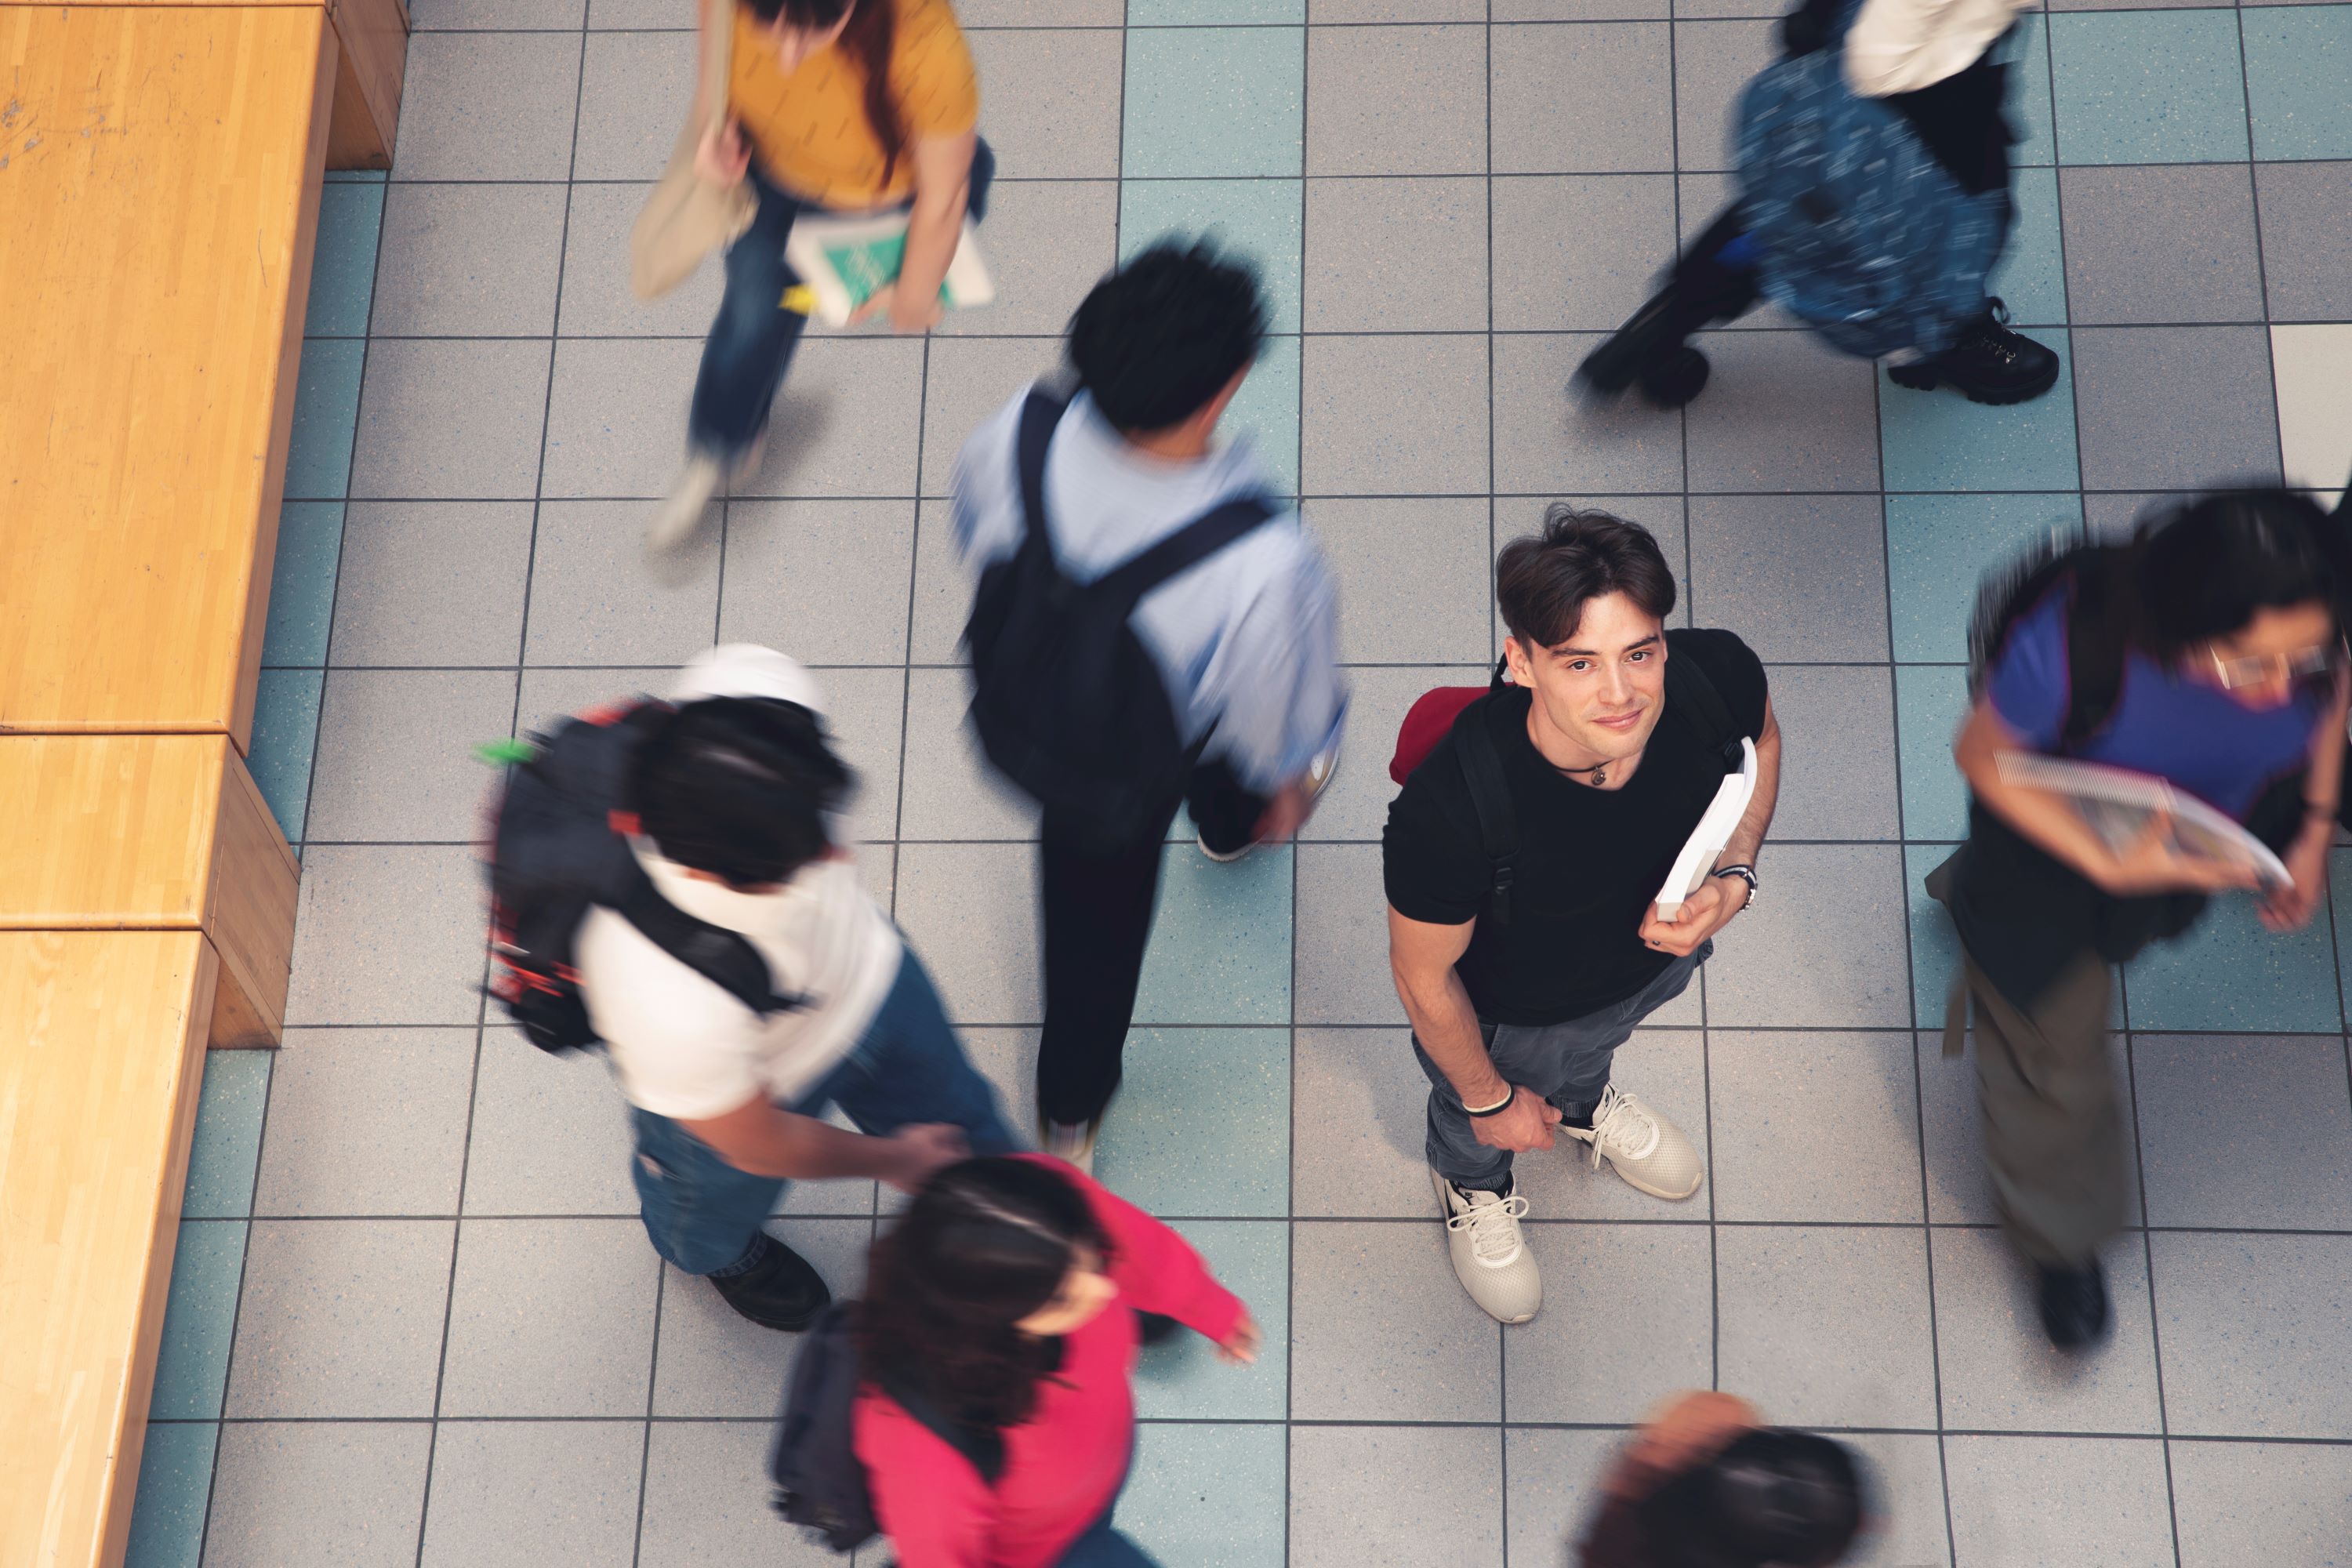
1567	1063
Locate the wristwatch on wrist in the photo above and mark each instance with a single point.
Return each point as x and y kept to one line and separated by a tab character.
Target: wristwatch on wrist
1745	873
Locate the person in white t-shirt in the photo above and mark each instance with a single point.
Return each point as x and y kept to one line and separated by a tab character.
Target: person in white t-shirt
736	799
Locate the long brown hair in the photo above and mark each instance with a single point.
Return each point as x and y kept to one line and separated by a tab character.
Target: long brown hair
871	36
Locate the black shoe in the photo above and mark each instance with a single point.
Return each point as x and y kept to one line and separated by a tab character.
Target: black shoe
2075	1306
1989	364
1675	380
779	1291
1652	335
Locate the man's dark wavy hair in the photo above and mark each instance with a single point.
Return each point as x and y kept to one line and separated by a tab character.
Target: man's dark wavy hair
1159	338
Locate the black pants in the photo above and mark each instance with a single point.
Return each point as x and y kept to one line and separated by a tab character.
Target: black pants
1098	897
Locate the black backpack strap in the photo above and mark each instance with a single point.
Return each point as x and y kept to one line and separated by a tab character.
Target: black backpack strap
1490	798
1184	549
725	958
1692	692
1041	414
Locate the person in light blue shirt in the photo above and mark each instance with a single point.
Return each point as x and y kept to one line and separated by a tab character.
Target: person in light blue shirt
1245	642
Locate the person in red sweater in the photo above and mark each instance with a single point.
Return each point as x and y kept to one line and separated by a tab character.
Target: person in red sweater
1006	1298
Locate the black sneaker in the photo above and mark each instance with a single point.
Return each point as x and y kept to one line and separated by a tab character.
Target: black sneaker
2075	1306
1989	364
779	1291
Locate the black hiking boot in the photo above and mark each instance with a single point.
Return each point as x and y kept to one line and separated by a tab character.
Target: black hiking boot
1649	349
1989	364
778	1291
2073	1306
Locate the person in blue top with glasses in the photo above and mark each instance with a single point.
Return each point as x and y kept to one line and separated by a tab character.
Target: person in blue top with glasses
2207	652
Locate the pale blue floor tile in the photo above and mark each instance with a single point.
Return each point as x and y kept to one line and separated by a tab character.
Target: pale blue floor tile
355	177
342	267
1181	1378
1208	1495
302	583
1930	701
2031	278
2229	974
175	1480
2029	103
1262	220
2149	86
2299	79
1939	547
1267	411
285	734
1940	441
228	1135
192	1368
1220	948
1935	947
2339	883
1202	1123
1208	12
326	413
1215	100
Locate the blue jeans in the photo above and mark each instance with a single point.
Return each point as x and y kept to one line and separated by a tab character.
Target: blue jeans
1104	1547
704	1214
754	338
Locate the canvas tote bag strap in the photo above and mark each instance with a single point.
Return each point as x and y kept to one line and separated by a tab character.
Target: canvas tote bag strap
717	59
684	220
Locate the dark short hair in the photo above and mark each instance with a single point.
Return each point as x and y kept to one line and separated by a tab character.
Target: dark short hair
1544	581
740	787
1159	338
1793	1499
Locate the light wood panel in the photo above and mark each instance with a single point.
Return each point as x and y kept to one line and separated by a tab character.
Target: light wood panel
250	912
102	1045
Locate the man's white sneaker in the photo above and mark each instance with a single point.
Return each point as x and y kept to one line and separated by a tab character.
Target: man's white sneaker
1647	1149
1490	1257
681	515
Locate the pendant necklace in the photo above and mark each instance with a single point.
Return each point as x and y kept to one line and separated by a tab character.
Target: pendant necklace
1599	772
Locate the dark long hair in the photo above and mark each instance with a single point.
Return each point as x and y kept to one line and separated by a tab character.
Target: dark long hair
985	1243
1774	1497
871	36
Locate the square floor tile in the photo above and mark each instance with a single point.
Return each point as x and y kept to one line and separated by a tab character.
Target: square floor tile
1591	97
952	792
1585	1358
343	264
340	1318
1208	101
228	1144
175	1483
2297	63
1935	949
595	598
971	910
1049	241
191	1366
1413	578
1547	442
469	260
597	300
2263	1503
712	1361
1346	11
1383	1331
966	381
388	934
1395	415
2149	86
2243	1356
284	737
2000	1371
502	1491
302	583
2306	242
366	1122
1203	1123
1265	414
503	1362
1824	952
326	412
1357	1125
1784	412
825	579
2229	974
1714	62
1579	251
842	425
342	1492
417	443
1840	722
1802	577
2030	278
2315	405
395	753
1396	255
1556	1477
1940	441
482	15
550	1133
1183	1377
490	108
1395	1496
1667	1068
2059	1499
605	437
1931	703
1826	1327
1939	548
1208	1494
1261	221
1220	949
1396	100
2171	243
1043	13
403	604
1356	805
1769	1089
1342	938
631	87
2221	1118
1052	110
707	1491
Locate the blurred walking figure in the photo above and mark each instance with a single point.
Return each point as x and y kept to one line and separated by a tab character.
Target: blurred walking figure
1150	629
842	106
1005	1305
2206	653
1874	167
1706	1485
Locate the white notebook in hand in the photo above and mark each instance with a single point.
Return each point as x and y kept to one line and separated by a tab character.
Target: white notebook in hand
846	261
1714	831
2123	806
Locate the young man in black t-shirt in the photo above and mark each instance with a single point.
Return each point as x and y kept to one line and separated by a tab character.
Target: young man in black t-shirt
1515	1020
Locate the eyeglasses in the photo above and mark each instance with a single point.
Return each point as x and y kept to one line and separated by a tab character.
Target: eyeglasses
2256	669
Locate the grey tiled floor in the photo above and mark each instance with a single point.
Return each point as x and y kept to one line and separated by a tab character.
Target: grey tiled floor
415	1319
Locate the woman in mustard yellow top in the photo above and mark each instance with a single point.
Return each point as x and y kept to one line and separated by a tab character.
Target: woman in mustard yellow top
842	106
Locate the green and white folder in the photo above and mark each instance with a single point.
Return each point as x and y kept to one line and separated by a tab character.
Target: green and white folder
846	261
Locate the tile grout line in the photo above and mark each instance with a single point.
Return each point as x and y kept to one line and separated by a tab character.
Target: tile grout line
1298	483
1502	1332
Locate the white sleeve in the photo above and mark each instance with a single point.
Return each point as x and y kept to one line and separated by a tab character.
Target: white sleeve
1902	46
681	1046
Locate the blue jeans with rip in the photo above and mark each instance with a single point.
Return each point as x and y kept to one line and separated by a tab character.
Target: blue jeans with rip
705	1215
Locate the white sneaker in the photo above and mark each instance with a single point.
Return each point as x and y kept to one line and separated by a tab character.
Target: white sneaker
1647	1149
681	515
1490	1258
1073	1142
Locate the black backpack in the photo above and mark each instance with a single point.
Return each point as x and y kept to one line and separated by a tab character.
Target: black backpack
557	849
1068	702
820	1482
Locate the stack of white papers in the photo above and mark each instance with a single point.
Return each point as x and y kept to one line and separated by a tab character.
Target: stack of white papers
1714	831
